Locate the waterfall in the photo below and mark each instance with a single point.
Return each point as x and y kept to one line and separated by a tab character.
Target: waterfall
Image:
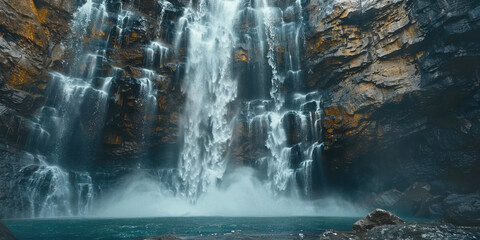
52	191
209	86
211	33
293	141
223	46
69	126
286	122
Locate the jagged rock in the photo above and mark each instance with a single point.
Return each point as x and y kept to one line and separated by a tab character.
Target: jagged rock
422	231
416	200
18	100
431	230
11	161
27	28
378	217
381	224
400	80
462	209
5	233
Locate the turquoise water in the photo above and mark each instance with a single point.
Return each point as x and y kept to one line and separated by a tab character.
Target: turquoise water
185	227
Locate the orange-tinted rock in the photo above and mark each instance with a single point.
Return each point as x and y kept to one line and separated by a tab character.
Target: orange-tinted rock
241	56
390	72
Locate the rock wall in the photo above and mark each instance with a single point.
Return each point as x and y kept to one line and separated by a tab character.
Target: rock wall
37	37
30	36
401	91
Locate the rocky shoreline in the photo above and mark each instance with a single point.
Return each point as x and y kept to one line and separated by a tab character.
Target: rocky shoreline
379	224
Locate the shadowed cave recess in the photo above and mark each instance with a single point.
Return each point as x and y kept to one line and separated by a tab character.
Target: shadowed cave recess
291	107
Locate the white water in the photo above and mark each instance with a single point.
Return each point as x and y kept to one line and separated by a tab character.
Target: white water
239	194
209	87
52	191
201	185
78	102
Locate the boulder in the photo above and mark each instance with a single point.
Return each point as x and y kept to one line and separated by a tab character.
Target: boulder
5	233
462	209
378	217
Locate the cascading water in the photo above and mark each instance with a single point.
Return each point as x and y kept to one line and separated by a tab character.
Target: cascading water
227	46
209	86
70	124
284	121
52	191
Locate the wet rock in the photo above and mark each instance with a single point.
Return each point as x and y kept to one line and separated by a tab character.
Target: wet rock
292	125
378	217
429	230
162	237
14	129
462	209
5	233
416	200
385	200
18	100
422	231
11	161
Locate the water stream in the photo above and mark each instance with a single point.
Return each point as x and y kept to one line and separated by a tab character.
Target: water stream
242	66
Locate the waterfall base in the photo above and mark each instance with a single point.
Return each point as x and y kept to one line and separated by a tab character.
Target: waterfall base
241	193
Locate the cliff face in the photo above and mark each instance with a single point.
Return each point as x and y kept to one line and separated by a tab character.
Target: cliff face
38	43
30	36
38	38
401	85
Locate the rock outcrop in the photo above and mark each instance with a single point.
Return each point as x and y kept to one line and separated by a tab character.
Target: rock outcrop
31	36
462	209
378	217
381	224
432	230
401	91
5	233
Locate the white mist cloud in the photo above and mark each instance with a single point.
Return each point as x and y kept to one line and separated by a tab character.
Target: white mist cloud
239	194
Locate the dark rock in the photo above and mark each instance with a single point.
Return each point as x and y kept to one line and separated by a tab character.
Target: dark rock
378	217
422	231
383	200
162	237
414	201
14	129
18	100
426	230
12	160
462	209
400	80
5	233
292	125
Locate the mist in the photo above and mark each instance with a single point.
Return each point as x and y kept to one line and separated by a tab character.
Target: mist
241	194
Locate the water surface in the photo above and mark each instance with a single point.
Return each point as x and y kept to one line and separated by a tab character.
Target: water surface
185	227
